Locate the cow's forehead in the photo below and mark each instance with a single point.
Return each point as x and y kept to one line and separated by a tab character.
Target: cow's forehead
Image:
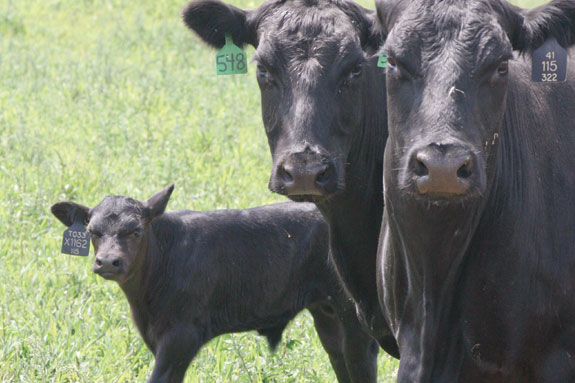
298	29
324	19
467	29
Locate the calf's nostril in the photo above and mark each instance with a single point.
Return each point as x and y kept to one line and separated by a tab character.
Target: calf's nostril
98	262
116	263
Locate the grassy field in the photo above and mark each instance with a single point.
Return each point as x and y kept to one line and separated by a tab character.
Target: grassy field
105	97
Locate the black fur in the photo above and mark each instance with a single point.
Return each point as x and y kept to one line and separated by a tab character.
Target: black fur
477	284
529	28
69	212
273	335
212	19
314	107
191	276
555	19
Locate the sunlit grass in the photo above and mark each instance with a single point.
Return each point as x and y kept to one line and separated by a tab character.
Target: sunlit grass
105	97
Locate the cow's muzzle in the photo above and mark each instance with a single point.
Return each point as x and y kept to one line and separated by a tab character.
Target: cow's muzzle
305	173
444	171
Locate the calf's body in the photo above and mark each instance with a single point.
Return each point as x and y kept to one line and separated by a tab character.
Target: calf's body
197	275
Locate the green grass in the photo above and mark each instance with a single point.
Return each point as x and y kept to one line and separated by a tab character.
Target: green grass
105	97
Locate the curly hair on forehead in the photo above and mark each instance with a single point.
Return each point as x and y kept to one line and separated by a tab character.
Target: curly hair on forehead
114	205
526	29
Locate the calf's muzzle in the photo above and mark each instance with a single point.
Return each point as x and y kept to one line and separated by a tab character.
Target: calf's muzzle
107	265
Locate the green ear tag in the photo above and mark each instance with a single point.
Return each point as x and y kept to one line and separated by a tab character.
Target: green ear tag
231	59
382	61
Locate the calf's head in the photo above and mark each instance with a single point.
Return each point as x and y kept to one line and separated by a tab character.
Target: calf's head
311	60
450	63
118	228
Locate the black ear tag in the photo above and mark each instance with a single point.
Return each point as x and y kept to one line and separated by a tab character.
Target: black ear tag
76	240
549	62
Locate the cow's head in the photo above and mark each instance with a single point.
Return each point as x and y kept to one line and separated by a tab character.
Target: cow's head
311	62
449	67
118	228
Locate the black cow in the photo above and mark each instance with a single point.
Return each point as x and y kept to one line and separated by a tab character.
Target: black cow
322	97
191	276
477	258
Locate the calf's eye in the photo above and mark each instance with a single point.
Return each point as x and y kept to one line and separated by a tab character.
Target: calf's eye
391	61
95	234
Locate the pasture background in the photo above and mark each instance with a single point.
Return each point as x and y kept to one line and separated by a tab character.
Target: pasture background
105	97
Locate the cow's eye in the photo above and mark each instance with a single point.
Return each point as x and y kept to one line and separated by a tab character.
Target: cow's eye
503	68
261	70
351	76
356	71
401	70
94	233
137	233
263	75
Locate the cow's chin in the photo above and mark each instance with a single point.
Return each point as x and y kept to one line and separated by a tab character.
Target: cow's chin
314	198
440	201
307	198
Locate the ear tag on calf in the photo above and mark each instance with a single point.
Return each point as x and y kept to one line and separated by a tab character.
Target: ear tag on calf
231	59
76	240
382	61
549	62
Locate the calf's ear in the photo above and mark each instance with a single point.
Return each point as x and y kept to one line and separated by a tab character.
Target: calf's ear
70	212
529	28
157	203
211	20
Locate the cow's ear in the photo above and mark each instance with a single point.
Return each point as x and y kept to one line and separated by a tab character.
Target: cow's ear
528	29
388	12
370	32
70	212
211	20
157	203
365	21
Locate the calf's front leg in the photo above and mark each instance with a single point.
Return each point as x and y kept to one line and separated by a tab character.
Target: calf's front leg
174	353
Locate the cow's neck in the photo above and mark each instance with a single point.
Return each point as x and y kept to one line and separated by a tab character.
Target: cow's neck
428	257
424	249
354	216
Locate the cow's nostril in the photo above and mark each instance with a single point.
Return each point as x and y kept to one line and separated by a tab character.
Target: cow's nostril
420	169
464	170
322	177
98	262
284	174
116	263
